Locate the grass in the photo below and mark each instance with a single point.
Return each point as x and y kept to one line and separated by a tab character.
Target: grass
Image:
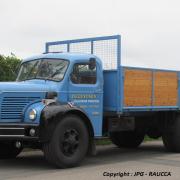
147	138
107	141
104	141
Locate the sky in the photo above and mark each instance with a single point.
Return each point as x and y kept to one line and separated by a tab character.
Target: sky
150	29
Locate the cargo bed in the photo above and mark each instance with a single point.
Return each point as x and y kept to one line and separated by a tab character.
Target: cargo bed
141	89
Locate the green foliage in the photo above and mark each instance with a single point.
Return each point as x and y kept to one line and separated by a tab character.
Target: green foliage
8	67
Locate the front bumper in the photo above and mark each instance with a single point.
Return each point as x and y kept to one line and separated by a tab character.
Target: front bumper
18	131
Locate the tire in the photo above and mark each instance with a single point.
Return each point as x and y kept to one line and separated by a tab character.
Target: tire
8	150
69	143
127	139
171	135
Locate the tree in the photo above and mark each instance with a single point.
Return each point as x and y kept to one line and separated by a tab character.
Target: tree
8	67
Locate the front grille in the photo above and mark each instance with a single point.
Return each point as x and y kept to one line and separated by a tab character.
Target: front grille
12	107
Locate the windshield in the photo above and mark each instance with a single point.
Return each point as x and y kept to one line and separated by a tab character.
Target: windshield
51	69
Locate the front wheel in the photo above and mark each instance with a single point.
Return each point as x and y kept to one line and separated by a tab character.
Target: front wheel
9	150
69	143
127	139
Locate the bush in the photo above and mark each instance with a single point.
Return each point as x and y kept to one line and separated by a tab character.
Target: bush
8	67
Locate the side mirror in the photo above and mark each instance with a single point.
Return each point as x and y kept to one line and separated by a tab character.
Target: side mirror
92	63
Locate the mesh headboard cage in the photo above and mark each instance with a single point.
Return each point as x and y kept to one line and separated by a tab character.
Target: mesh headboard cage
107	48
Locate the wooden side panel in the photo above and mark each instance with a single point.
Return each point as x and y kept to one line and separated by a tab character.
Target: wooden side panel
137	87
165	88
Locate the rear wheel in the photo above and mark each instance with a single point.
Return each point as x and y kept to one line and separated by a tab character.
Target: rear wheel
171	135
69	143
9	150
127	139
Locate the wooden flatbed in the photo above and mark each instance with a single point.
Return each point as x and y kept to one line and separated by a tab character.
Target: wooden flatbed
141	89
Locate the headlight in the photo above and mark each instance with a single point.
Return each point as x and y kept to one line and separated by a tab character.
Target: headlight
32	114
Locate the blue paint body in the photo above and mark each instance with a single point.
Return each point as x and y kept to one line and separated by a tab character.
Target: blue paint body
17	99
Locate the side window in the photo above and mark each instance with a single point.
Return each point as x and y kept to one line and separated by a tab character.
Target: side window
84	74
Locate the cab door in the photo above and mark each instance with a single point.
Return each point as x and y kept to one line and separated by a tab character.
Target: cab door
86	91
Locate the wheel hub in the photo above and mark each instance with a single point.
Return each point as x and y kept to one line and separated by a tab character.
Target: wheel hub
70	142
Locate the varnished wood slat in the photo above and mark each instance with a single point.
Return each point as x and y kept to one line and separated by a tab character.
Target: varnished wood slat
137	87
165	88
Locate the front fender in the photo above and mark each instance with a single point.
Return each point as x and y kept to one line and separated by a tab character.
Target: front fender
52	114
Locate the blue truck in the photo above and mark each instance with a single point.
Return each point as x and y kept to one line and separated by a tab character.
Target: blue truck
78	91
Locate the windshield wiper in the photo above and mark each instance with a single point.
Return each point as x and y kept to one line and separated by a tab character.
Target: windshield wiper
55	73
31	79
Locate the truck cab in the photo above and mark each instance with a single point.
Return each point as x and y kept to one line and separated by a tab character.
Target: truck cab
74	79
